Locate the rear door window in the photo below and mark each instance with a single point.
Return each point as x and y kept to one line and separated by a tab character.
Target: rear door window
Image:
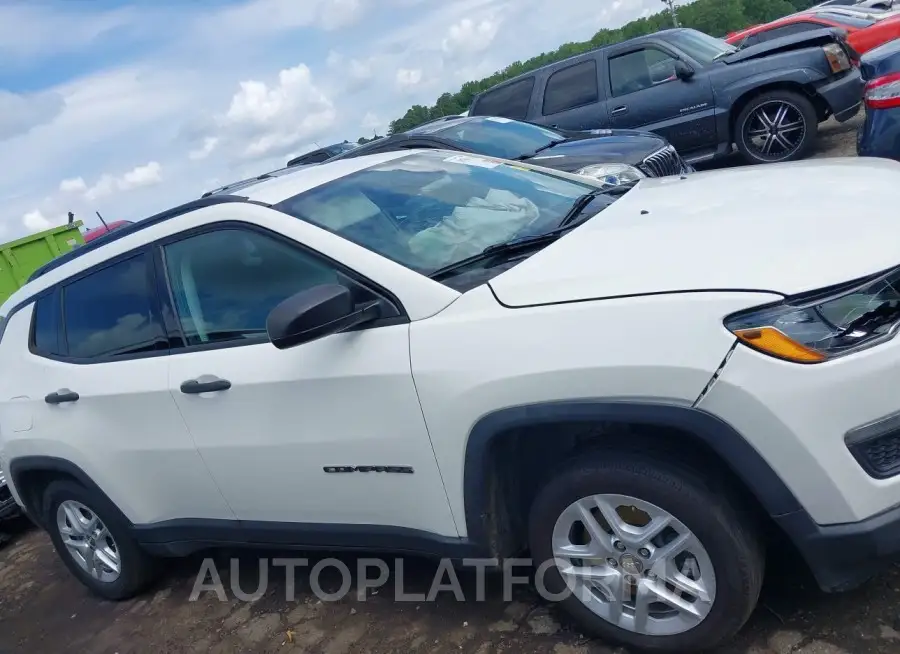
113	312
571	87
509	101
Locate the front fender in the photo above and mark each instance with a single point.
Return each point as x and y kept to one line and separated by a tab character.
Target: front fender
732	92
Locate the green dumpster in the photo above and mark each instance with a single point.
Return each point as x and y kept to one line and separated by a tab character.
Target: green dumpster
20	258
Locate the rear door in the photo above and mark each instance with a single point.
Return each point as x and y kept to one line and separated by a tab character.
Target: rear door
573	98
645	93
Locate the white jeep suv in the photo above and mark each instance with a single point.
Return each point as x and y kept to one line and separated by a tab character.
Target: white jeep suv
466	357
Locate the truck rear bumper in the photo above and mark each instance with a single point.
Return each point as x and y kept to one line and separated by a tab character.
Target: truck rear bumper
844	95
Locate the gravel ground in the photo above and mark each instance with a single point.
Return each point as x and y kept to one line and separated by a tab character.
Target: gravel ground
43	609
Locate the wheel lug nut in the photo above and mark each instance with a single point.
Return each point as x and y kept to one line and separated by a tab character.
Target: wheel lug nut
644	552
619	545
612	563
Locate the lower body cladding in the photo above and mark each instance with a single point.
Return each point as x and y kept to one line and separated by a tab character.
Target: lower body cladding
831	433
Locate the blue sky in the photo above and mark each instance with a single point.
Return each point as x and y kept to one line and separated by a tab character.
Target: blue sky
128	108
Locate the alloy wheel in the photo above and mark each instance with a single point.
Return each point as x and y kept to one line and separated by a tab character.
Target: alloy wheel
775	130
634	564
88	541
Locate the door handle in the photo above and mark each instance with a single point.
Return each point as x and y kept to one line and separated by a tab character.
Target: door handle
194	386
619	110
60	396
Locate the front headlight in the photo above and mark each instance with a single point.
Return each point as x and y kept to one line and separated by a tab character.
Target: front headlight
611	175
816	327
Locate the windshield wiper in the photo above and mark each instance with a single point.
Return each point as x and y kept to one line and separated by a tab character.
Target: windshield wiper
724	53
568	223
497	249
585	200
546	146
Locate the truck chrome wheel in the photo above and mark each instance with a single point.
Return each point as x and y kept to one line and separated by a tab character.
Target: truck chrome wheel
634	564
775	130
88	541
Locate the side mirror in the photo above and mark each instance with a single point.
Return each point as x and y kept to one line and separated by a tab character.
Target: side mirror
314	313
683	70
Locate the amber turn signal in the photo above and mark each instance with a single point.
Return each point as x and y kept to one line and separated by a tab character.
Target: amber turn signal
774	342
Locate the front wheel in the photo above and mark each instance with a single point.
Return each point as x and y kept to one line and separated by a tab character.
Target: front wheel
645	554
776	126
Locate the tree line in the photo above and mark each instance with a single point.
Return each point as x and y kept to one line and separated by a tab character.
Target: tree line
716	17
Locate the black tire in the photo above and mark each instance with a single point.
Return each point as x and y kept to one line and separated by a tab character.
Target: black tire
730	536
138	569
799	104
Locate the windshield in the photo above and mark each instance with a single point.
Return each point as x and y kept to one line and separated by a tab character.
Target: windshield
496	137
431	209
700	47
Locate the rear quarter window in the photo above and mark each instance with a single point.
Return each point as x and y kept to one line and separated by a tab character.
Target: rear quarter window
45	325
509	101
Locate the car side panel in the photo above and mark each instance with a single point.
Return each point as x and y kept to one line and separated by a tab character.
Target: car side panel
477	357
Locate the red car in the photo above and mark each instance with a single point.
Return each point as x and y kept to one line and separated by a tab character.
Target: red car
97	232
865	29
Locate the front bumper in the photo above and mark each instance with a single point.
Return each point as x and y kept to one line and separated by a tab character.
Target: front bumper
841	557
844	95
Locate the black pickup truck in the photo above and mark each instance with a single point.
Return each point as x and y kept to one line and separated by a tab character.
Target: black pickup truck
700	93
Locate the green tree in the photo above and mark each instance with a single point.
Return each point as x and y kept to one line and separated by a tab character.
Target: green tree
716	17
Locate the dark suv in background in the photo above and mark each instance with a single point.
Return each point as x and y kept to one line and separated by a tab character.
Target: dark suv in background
697	91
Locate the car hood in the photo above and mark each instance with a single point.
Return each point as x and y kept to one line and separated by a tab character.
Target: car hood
783	228
799	41
599	146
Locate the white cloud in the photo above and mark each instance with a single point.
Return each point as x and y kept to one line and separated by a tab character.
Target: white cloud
409	77
35	221
371	122
147	175
209	144
263	120
73	185
28	29
468	38
20	113
338	13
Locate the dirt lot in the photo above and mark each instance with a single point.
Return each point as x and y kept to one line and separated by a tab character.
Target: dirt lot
42	609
